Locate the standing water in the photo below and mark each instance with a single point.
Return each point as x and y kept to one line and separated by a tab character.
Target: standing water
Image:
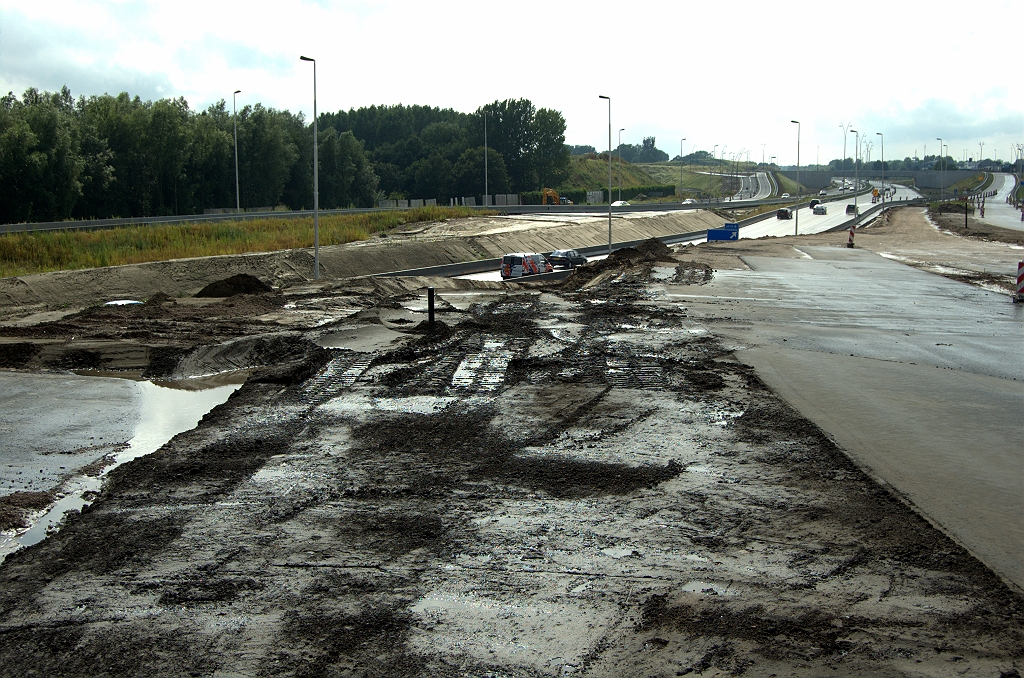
164	412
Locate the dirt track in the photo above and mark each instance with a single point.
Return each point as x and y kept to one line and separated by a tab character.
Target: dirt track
571	480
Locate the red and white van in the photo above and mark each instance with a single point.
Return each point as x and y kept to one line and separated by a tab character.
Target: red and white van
518	264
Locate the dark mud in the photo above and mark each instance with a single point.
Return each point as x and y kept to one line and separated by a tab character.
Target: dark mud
547	484
242	283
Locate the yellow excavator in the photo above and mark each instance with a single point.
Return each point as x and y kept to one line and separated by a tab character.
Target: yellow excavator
549	193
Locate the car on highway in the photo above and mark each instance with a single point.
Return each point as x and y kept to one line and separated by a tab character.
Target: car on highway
851	209
820	209
814	201
785	195
620	203
567	258
519	264
823	192
784	213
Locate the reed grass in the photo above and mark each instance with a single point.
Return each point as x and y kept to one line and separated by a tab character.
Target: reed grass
42	251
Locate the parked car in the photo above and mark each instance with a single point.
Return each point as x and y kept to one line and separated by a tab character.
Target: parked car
851	209
620	203
784	213
567	258
785	195
519	264
565	201
820	209
689	201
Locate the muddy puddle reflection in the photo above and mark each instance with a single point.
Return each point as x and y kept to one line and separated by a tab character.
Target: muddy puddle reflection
166	408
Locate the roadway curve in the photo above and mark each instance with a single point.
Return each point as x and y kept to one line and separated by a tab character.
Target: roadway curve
997	211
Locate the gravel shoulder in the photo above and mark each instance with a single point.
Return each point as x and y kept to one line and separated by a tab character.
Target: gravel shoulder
571	479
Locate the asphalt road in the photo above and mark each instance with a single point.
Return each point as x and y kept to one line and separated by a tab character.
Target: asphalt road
919	378
997	211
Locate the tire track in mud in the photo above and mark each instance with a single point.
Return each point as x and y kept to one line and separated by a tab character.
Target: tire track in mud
467	504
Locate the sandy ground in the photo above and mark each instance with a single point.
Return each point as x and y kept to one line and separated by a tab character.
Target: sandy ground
578	479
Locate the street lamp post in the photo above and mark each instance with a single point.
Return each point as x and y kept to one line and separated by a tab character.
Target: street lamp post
846	129
942	173
856	171
234	116
621	130
721	171
316	184
796	223
883	165
601	96
487	193
681	168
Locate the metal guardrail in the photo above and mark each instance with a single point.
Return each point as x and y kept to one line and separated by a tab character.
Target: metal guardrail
94	224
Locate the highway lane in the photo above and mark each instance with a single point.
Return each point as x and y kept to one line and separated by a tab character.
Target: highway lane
764	187
997	211
809	223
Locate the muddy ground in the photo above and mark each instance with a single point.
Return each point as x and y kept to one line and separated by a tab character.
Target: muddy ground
572	479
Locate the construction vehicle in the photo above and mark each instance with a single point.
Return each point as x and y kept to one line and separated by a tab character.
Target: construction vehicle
549	193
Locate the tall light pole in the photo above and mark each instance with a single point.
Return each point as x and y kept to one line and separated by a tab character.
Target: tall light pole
796	223
856	171
883	165
681	168
942	173
762	153
846	129
316	184
487	193
981	151
721	171
234	116
601	96
621	130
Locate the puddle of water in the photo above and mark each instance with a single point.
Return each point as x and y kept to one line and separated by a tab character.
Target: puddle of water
164	413
362	338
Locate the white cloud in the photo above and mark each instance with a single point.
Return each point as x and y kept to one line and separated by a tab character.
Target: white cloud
731	74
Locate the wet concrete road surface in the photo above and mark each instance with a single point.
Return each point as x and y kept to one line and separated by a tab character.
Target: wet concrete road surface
920	378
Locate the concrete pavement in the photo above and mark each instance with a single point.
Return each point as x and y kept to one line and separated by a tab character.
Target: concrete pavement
997	211
919	378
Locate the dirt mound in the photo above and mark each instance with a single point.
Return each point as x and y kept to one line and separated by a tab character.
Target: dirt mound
243	283
647	252
650	250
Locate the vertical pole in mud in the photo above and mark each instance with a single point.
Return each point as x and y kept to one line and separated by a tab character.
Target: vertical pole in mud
1020	282
849	243
430	304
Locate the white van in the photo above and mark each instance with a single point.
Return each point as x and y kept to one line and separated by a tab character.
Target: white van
518	264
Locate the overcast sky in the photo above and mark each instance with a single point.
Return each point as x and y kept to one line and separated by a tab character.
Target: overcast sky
729	74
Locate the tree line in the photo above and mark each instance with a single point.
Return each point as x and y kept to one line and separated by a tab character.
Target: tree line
119	156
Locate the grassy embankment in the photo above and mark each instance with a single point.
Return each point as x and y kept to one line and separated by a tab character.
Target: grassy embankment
787	185
593	174
697	179
25	253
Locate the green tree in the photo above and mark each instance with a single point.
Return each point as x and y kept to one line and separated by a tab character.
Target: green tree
266	154
468	173
346	178
430	177
549	156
